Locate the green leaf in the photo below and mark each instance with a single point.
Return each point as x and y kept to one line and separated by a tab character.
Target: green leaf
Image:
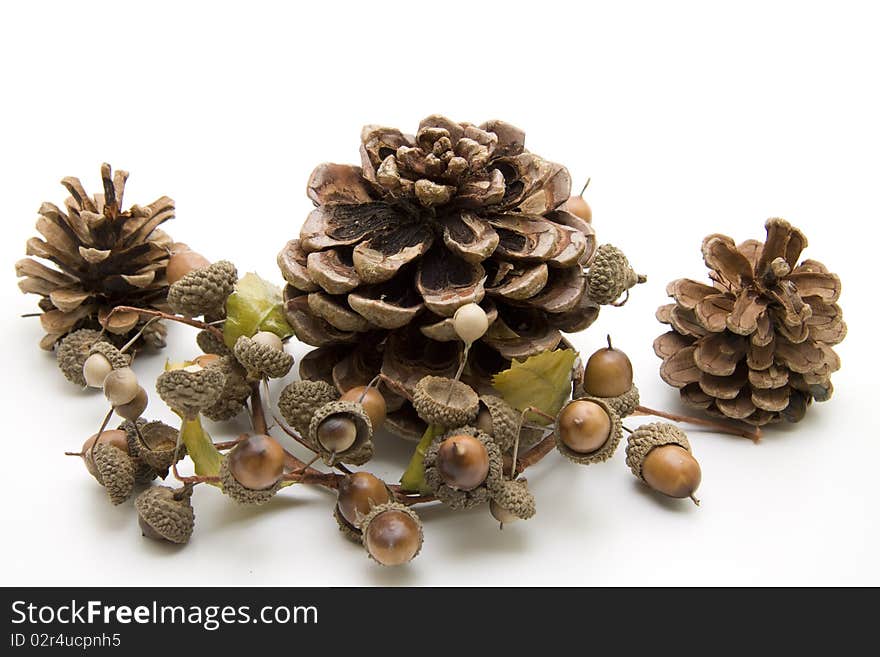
200	448
255	305
413	478
542	381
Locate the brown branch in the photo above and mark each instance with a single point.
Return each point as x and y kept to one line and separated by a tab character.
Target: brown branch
535	454
258	415
171	318
754	436
229	444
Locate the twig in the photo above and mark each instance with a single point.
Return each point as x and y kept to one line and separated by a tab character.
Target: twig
171	318
258	415
754	436
535	454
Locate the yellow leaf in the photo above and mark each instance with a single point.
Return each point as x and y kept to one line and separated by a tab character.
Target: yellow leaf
542	381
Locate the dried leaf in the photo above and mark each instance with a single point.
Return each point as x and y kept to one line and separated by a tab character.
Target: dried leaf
413	478
542	381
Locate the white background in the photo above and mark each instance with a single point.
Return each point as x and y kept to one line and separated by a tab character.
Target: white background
691	118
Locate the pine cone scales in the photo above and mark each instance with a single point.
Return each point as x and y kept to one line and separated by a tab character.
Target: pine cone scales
103	257
756	345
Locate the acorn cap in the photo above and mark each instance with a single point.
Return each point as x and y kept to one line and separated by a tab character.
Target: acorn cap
115	471
143	472
239	493
299	401
211	344
361	450
203	291
72	351
464	499
391	506
168	512
262	361
647	437
610	275
515	497
235	393
624	404
348	530
116	358
190	392
606	451
153	434
505	421
445	402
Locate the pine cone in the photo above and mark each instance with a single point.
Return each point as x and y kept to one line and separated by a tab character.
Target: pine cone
756	344
103	257
457	214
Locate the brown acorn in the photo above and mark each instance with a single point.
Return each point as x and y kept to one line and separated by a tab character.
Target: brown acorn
659	454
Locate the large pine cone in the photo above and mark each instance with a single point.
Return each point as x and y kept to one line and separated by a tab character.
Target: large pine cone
456	214
103	257
756	344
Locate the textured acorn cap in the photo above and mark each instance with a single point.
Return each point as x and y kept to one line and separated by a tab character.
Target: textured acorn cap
445	402
348	530
203	291
391	506
361	450
115	471
241	494
72	351
211	344
610	275
143	472
235	393
515	497
624	404
168	512
647	437
505	421
153	433
262	361
299	401
606	451
116	358
190	392
464	499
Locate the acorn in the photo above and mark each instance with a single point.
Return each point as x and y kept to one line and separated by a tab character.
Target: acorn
587	431
348	530
610	276
470	322
211	344
512	501
499	420
463	467
260	360
115	470
445	402
143	472
112	437
358	493
189	391
165	514
392	534
204	290
659	454
341	432
157	445
236	388
372	400
299	400
183	260
135	408
72	352
578	206
121	386
609	374
251	472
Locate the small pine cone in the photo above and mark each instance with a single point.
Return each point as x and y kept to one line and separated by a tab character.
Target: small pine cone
143	472
361	450
203	290
647	437
516	498
211	344
464	499
157	445
610	275
190	392
262	361
391	506
506	421
348	530
116	358
445	402
165	513
606	451
235	392
624	404
115	471
241	494
299	401
72	352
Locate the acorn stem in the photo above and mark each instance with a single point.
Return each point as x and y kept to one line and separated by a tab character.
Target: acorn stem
754	436
103	426
229	444
137	335
374	382
586	184
540	413
694	499
171	318
258	415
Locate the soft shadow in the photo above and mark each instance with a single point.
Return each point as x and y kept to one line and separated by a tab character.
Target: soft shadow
669	503
236	514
